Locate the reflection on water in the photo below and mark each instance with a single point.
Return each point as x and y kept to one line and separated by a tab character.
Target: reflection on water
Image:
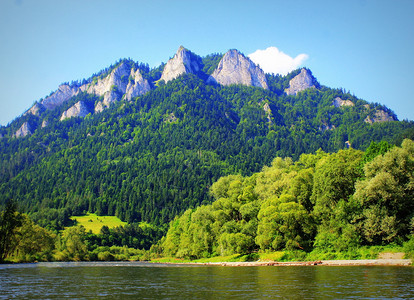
156	281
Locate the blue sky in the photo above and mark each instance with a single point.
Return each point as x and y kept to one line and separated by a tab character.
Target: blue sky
364	46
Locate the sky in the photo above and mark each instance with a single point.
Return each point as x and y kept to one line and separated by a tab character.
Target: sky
363	46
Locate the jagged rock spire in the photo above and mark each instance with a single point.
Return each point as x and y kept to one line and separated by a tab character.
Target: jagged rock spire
304	80
122	81
235	68
183	62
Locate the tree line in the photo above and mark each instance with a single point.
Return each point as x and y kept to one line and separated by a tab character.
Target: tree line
320	203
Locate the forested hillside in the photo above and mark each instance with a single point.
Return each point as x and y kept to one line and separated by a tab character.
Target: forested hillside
330	203
153	157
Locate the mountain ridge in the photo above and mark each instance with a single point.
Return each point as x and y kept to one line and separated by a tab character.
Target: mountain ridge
113	85
154	156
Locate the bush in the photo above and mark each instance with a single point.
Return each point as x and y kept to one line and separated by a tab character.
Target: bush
105	256
409	248
294	255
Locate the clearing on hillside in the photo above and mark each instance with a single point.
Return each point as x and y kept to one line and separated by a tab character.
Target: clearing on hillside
95	223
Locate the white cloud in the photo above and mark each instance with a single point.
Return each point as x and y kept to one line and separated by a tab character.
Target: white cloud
272	60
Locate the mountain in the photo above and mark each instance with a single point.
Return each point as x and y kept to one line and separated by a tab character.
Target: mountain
146	144
303	81
235	68
124	80
183	62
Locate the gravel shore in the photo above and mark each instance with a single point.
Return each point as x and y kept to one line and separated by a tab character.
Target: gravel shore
362	262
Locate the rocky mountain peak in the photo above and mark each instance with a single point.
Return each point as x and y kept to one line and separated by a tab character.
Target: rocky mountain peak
116	80
122	81
137	85
235	68
304	80
182	62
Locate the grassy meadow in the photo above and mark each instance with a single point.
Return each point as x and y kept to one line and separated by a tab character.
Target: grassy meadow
95	223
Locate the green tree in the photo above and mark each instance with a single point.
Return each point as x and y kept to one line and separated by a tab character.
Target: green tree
35	243
10	221
235	243
284	224
334	180
334	210
71	244
386	195
203	239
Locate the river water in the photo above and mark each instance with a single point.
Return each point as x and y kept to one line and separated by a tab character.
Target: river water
135	280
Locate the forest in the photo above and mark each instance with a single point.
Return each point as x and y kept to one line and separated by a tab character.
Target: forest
324	205
152	158
323	202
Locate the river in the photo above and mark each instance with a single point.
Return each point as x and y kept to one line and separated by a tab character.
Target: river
135	280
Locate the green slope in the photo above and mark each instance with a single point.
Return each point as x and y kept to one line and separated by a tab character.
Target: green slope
153	158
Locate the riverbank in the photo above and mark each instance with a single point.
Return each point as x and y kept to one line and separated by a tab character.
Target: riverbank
260	263
362	262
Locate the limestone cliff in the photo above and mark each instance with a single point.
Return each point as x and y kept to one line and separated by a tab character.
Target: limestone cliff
63	93
99	107
304	80
122	81
137	85
183	62
338	102
380	116
268	112
45	123
36	109
23	131
235	68
116	80
77	110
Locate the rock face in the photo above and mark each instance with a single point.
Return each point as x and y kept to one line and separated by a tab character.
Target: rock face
379	117
183	62
23	131
110	86
77	110
235	68
137	85
99	107
45	123
338	102
268	112
36	109
304	80
123	80
325	126
171	118
63	93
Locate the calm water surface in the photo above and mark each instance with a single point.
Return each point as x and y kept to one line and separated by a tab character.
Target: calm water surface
159	281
